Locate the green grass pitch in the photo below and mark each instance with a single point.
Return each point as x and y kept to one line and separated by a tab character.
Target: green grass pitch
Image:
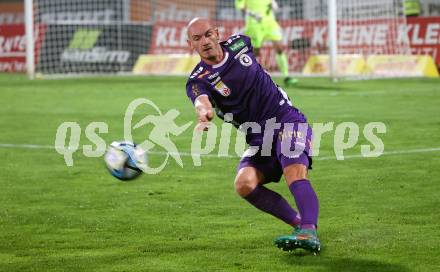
376	214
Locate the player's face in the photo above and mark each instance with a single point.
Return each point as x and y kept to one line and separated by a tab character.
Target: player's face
203	38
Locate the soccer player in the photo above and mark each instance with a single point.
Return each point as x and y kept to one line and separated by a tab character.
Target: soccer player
230	81
260	26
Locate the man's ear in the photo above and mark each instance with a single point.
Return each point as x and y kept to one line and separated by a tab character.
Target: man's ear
217	33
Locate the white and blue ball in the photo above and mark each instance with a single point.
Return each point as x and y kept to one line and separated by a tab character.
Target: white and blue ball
125	160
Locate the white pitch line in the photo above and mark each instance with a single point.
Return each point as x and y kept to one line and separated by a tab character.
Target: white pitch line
385	153
188	154
343	92
183	154
29	146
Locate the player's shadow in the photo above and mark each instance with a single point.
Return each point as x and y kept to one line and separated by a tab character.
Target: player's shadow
342	264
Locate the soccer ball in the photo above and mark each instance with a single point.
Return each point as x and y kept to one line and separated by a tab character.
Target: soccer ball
125	160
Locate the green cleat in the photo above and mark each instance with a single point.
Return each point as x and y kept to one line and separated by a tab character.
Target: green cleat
287	242
289	81
301	238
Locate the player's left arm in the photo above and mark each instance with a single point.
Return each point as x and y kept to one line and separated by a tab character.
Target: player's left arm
243	6
240	4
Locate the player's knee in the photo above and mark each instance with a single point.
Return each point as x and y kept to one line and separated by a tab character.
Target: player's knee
245	182
245	185
295	172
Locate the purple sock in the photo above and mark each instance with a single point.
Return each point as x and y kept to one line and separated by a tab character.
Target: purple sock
274	204
307	203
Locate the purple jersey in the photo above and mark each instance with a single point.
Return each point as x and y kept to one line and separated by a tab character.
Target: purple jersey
239	85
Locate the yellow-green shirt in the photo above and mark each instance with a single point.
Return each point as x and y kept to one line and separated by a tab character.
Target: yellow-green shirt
262	8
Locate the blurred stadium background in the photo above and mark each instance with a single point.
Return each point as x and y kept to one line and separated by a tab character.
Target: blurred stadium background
377	214
138	36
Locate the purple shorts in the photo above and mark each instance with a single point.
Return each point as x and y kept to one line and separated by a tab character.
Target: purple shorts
291	144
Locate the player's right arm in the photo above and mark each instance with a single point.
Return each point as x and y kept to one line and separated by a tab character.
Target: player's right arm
204	112
203	107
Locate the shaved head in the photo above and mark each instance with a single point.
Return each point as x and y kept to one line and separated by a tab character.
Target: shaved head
204	38
197	23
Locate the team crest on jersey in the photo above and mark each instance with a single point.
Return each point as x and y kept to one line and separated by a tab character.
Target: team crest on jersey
222	88
245	60
195	90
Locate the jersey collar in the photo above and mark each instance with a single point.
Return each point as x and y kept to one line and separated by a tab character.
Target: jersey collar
225	58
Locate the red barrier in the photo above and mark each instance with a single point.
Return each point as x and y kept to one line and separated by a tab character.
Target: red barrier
384	36
12	48
423	34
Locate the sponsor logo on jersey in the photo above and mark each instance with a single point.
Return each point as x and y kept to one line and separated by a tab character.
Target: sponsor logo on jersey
222	88
245	60
213	75
237	45
215	81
